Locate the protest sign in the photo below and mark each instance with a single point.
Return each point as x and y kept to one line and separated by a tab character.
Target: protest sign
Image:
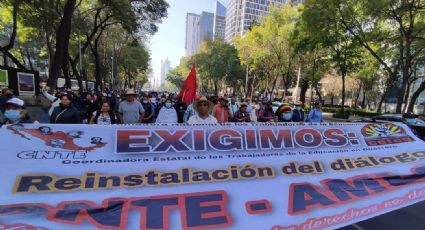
232	176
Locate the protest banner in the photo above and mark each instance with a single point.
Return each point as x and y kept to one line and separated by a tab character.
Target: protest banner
232	176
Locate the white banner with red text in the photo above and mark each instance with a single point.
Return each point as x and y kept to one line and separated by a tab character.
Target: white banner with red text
233	176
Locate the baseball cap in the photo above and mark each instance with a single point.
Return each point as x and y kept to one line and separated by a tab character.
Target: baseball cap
16	101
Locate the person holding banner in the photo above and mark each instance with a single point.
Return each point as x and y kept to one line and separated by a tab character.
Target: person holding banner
203	107
104	116
315	114
167	114
65	113
221	111
15	112
284	113
266	114
130	110
298	114
242	114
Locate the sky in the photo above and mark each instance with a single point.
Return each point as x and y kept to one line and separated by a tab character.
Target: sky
169	41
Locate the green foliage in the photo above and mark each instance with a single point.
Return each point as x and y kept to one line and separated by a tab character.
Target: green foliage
136	63
218	64
266	48
110	23
178	75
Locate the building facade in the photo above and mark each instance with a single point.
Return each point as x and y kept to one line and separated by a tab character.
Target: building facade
165	68
241	14
198	28
192	33
219	21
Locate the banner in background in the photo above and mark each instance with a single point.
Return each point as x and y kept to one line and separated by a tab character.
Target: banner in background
233	176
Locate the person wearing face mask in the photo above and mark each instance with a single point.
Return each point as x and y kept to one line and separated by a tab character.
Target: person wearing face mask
315	114
167	114
15	112
409	119
65	113
149	110
284	113
298	114
181	108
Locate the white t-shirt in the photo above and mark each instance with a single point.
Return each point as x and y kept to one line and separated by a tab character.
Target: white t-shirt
195	119
167	115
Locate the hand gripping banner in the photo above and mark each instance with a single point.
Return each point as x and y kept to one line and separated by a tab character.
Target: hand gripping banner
234	176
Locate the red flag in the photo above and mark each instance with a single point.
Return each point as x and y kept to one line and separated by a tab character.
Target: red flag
188	91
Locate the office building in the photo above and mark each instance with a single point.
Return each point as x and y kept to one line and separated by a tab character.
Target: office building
219	20
198	29
192	33
241	14
165	68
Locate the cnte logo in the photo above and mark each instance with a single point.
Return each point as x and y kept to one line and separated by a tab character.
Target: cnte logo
52	155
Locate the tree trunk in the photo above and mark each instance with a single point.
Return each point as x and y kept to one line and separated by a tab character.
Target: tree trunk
406	96
29	59
357	97
415	96
75	72
62	41
384	96
343	91
364	97
96	56
304	88
332	100
6	49
65	68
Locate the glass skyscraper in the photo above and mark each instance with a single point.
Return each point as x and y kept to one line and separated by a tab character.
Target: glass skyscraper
241	14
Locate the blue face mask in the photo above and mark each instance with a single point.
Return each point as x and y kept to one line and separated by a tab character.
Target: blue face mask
411	121
286	116
12	114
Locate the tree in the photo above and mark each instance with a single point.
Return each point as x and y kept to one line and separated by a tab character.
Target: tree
266	49
11	18
391	31
178	75
324	22
62	23
135	66
217	64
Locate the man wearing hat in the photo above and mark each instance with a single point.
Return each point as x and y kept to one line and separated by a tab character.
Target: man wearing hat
16	112
298	114
203	107
130	110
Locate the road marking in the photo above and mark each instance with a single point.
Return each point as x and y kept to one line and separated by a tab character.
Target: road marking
356	226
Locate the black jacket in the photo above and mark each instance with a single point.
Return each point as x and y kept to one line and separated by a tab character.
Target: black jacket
65	115
298	115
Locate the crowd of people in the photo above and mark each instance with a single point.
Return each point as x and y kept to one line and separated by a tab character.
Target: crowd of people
130	107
